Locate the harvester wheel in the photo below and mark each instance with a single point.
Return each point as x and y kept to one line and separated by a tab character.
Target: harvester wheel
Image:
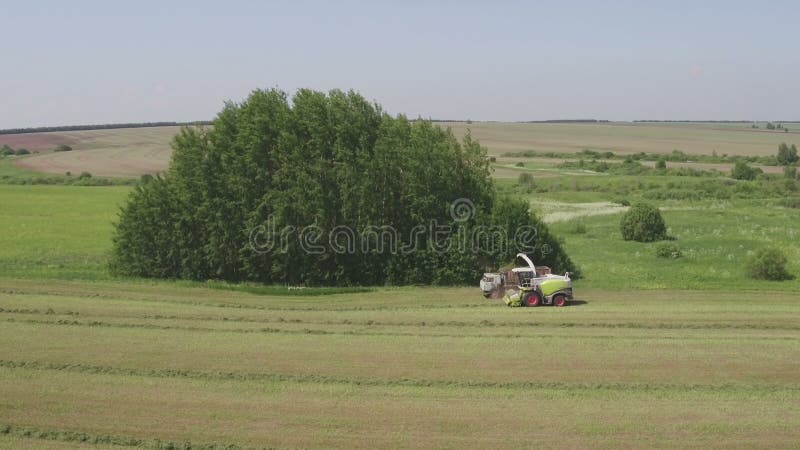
560	300
532	299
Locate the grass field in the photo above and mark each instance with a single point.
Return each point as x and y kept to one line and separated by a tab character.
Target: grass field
654	352
57	231
130	362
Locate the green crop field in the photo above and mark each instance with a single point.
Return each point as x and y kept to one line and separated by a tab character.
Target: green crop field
654	352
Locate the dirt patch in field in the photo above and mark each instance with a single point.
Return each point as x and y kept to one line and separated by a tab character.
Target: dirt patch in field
36	141
562	211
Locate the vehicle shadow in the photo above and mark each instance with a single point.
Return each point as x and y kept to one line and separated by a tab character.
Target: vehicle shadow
576	303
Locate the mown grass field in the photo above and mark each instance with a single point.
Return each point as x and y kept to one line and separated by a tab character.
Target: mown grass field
134	362
655	352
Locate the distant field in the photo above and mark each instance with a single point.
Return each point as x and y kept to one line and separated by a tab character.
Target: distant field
625	138
135	151
126	152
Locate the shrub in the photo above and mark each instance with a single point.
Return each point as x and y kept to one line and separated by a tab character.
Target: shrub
525	179
767	264
493	159
643	223
790	172
62	148
668	250
23	151
661	164
621	201
519	164
742	171
6	151
84	175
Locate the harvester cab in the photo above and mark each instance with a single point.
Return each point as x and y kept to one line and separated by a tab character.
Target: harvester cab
528	285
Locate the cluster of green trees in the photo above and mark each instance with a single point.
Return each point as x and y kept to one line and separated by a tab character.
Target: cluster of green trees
771	126
674	156
270	169
787	155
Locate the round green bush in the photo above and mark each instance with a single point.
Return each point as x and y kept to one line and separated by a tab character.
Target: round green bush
767	264
643	223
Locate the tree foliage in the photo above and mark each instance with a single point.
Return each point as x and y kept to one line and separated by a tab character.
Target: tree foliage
643	223
247	199
787	155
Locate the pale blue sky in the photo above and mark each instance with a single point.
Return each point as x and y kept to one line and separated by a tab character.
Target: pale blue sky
82	62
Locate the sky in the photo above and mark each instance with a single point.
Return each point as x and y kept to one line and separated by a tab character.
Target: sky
90	62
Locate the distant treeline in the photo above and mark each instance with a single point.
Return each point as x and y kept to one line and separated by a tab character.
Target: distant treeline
108	126
521	121
714	121
565	121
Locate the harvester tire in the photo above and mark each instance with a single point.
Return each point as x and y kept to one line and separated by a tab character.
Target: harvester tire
560	300
532	299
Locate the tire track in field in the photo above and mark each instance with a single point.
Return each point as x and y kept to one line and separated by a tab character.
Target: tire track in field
115	440
315	307
485	323
310	331
88	369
